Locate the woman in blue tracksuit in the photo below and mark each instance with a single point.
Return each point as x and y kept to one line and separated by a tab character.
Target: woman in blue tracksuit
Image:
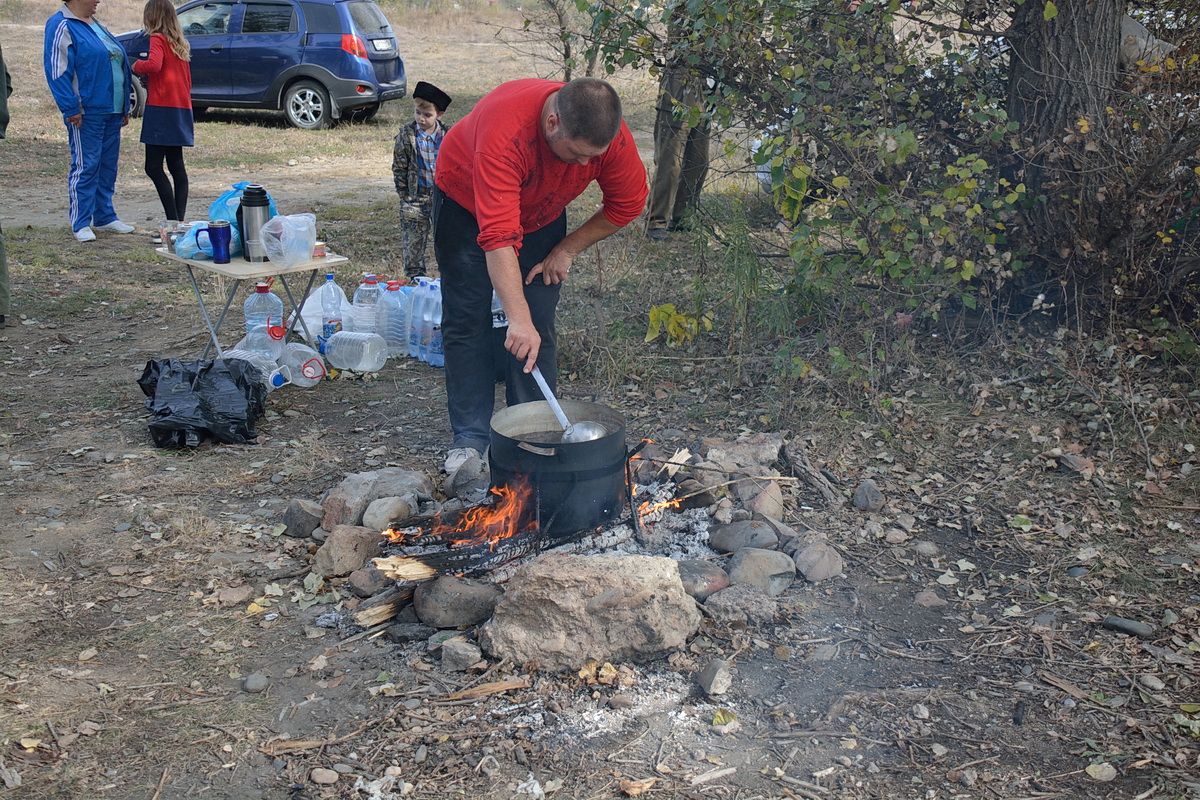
89	77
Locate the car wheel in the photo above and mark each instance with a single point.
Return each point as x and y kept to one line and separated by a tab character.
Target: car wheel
306	105
365	114
137	98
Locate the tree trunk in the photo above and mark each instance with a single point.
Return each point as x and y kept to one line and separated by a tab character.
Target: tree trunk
1061	77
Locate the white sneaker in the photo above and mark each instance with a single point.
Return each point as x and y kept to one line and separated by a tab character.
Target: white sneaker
457	456
116	226
85	234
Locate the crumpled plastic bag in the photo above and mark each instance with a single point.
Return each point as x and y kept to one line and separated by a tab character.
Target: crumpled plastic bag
191	402
288	239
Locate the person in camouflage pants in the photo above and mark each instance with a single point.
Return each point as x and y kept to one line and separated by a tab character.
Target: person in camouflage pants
413	162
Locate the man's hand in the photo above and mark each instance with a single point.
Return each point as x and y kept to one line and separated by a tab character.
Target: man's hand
524	342
554	268
75	119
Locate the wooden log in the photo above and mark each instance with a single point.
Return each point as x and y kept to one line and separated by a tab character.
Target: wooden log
803	469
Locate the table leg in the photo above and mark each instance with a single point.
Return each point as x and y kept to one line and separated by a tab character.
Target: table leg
212	329
298	316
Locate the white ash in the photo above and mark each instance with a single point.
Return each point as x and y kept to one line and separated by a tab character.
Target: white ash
678	535
655	693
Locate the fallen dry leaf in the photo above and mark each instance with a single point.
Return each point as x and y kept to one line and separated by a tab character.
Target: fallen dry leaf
1103	772
634	788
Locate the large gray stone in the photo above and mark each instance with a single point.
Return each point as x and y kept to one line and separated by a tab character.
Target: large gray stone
347	548
715	678
768	570
450	602
867	496
741	605
768	502
368	581
747	533
345	503
459	655
818	561
562	610
469	482
301	518
385	511
701	578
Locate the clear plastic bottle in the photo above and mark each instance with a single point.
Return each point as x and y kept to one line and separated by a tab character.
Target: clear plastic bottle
366	300
414	317
262	309
332	298
306	365
392	320
437	352
499	318
353	350
271	374
268	341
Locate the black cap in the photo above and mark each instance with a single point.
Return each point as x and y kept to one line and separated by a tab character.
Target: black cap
427	91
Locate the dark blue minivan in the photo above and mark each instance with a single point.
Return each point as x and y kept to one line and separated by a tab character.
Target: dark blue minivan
316	60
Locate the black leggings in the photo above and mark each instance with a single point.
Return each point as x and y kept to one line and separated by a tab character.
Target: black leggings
174	201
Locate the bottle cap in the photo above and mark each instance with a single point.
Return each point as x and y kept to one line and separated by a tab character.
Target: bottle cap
329	276
371	280
262	288
276	332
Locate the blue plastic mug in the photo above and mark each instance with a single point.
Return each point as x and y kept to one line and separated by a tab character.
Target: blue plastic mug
219	234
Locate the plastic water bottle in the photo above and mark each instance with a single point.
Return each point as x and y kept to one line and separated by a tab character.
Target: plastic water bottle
305	364
366	298
353	350
414	317
499	318
392	321
268	372
262	309
331	310
435	353
268	341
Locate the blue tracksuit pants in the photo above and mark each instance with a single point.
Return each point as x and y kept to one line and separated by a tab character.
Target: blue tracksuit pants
95	147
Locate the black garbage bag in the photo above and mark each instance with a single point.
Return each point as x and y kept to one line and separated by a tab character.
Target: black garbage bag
191	402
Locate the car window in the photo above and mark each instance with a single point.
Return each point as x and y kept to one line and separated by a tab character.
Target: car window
367	17
268	18
320	18
206	20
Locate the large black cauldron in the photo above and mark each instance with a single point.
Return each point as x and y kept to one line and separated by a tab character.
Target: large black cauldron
576	485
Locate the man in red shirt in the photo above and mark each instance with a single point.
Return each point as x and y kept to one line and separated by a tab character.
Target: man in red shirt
505	175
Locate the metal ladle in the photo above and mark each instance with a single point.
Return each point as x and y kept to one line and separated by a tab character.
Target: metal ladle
582	431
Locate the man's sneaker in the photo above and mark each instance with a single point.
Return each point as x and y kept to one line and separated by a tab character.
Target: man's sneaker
116	226
85	234
457	455
657	234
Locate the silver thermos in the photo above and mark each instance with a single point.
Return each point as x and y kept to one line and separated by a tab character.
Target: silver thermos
252	214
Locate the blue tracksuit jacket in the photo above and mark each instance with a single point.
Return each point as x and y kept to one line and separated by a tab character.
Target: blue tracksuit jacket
77	67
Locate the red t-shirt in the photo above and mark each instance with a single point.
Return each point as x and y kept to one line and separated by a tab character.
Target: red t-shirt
496	164
170	76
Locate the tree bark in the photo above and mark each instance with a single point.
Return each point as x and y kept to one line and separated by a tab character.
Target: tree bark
1061	78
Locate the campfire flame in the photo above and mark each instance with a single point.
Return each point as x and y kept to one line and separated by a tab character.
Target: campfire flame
648	509
507	516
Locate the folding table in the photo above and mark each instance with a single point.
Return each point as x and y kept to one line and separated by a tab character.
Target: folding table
240	270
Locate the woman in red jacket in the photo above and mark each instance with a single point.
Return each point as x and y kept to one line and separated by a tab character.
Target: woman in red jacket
167	122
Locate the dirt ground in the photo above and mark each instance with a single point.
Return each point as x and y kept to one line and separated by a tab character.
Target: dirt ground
1054	474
